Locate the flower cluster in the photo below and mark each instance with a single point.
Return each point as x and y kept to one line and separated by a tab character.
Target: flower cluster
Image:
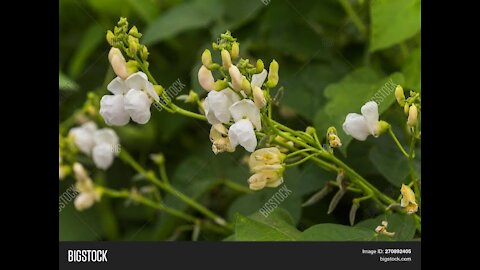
101	144
411	105
267	166
88	194
132	95
237	100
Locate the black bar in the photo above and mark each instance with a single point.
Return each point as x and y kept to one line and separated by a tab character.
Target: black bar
245	255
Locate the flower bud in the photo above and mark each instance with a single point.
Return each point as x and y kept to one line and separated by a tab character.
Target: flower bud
133	44
399	95
382	127
205	78
226	60
259	66
235	50
246	86
118	63
236	77
110	38
219	85
258	97
134	32
412	116
144	53
273	74
132	66
406	108
206	58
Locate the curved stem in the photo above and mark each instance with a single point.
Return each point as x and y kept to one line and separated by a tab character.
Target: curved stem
300	161
397	142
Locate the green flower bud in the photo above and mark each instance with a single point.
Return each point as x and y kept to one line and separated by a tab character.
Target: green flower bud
226	60
110	38
246	87
259	66
206	58
399	95
133	44
382	127
122	22
144	53
412	116
219	85
134	32
235	51
273	74
132	66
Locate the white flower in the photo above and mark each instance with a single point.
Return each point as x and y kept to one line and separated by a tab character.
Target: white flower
84	184
360	126
217	105
258	79
265	179
106	141
236	77
246	116
132	98
83	136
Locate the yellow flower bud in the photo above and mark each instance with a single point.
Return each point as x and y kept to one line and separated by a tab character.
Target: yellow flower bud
412	116
205	78
408	200
235	50
134	32
383	127
226	60
110	38
399	95
259	66
273	74
206	58
118	63
246	86
132	66
406	108
133	44
219	85
258	97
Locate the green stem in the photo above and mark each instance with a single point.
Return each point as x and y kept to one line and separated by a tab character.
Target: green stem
352	189
184	112
125	156
411	155
301	161
397	142
354	16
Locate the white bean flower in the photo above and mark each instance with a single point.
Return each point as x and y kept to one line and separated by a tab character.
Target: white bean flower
246	116
217	105
131	98
83	137
259	79
86	188
106	148
360	126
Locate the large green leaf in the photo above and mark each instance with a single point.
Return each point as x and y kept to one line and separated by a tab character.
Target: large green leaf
412	71
89	42
278	226
147	9
402	225
336	232
350	94
187	16
393	21
389	161
79	226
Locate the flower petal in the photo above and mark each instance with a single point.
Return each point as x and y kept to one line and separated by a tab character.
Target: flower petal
258	79
370	112
246	108
218	102
83	139
205	78
103	155
137	81
355	125
242	133
137	104
209	113
112	109
236	77
105	135
117	86
150	90
84	201
90	126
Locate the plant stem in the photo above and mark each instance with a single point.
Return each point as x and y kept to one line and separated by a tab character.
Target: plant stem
397	142
125	156
354	16
300	161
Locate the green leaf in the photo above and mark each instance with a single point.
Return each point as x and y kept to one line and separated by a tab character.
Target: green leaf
245	11
336	232
402	225
412	71
79	226
65	83
393	21
148	10
350	94
389	161
187	16
89	42
278	226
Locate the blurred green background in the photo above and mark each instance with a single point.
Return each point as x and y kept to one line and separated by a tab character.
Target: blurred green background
331	62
